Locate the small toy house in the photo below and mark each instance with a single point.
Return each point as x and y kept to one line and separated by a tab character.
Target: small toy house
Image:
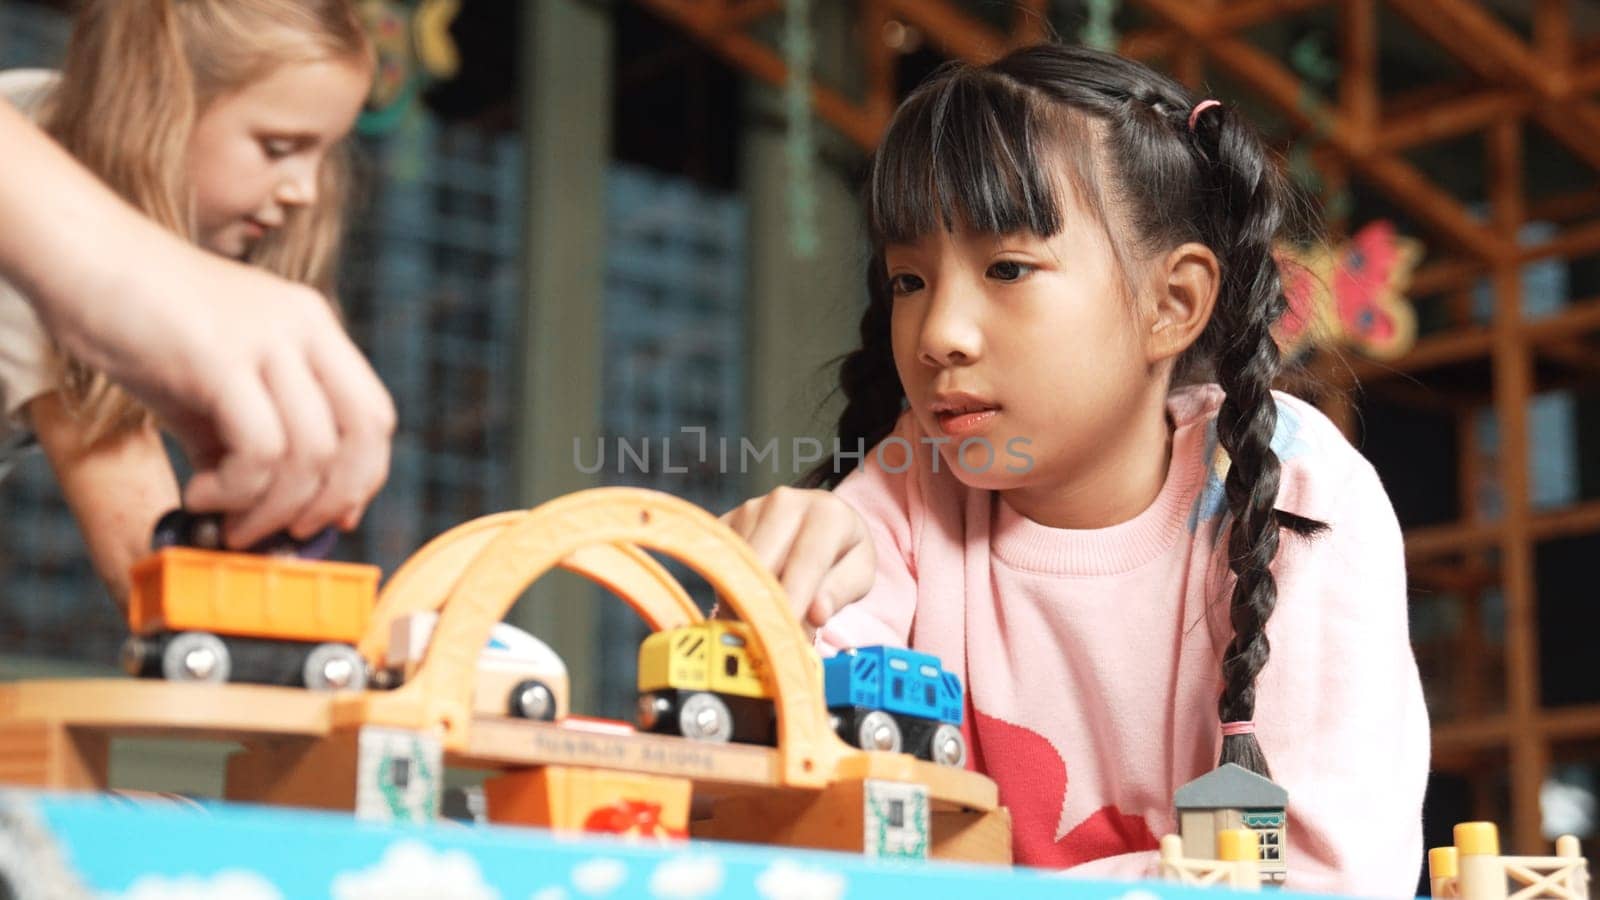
1234	797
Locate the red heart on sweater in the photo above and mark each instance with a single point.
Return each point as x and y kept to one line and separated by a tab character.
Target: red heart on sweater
1033	785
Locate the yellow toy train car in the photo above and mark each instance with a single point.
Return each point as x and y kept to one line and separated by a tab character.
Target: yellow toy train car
703	681
707	682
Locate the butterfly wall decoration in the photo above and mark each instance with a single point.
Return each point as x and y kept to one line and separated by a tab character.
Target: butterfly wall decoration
1350	295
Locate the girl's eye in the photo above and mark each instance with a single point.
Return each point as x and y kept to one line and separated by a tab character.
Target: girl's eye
1009	270
277	148
904	284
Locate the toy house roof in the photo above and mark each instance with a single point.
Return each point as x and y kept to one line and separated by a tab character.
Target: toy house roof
1230	787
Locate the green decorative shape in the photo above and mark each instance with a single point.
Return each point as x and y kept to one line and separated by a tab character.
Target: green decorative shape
1311	61
1098	31
373	122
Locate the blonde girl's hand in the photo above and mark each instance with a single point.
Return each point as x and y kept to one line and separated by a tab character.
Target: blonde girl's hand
816	545
286	423
295	432
282	418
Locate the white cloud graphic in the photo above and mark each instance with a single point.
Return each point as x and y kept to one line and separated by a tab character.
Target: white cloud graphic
784	880
687	877
599	877
412	870
235	884
550	893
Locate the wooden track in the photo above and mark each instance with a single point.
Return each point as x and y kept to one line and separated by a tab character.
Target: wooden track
127	706
499	743
134	706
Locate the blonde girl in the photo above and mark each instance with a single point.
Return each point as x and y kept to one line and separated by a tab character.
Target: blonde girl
223	121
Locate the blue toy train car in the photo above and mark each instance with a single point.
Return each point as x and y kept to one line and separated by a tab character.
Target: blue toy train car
896	700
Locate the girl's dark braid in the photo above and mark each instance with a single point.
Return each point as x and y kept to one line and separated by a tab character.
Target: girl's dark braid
1246	210
871	388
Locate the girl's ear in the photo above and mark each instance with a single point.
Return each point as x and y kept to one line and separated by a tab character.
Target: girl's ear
1186	283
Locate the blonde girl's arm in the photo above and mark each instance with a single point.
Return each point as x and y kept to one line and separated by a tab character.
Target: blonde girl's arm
116	488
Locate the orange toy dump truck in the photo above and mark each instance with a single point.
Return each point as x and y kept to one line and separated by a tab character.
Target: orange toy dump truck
210	615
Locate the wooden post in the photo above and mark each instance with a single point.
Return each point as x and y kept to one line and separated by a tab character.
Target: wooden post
1578	878
1358	88
1443	870
1242	848
1171	857
1552	33
1482	876
1513	386
1470	645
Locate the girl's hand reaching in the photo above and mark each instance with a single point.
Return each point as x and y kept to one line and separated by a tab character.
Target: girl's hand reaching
816	545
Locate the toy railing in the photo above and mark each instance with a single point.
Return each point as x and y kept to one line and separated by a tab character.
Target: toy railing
1237	865
1474	869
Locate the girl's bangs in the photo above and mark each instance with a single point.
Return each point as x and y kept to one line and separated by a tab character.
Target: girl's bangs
967	150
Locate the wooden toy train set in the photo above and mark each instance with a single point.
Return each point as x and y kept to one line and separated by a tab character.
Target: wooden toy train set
349	697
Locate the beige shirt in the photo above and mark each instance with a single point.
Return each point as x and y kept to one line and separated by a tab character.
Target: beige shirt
29	362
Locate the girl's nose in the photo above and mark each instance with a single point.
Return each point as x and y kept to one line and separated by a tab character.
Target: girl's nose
299	189
950	334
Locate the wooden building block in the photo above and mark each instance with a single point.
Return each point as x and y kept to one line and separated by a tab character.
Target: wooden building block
52	755
841	817
381	774
570	798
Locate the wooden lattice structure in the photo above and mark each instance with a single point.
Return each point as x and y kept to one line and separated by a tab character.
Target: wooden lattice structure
1473	869
1235	864
1512	81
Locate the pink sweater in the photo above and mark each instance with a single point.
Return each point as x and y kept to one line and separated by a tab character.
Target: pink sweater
1092	658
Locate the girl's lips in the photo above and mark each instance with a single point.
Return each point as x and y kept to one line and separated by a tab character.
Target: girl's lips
965	424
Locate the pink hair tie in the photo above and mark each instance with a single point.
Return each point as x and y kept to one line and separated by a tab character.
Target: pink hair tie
1229	729
1202	106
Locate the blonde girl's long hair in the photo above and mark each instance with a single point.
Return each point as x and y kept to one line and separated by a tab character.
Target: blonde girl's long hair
137	76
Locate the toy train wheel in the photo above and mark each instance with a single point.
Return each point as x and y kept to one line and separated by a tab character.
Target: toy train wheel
335	667
196	656
948	747
877	730
137	652
181	528
533	699
704	717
